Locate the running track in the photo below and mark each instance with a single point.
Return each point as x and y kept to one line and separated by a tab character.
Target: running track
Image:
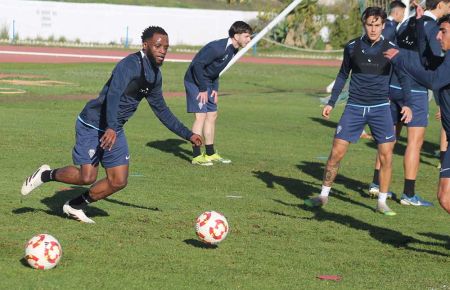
34	54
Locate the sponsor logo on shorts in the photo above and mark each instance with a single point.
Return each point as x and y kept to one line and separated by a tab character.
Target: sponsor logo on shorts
127	157
389	137
338	129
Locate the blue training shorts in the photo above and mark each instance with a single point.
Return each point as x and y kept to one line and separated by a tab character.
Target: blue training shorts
355	117
445	166
87	148
193	104
418	106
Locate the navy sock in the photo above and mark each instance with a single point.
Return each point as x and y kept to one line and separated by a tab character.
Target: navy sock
81	201
376	177
409	187
48	175
196	151
210	149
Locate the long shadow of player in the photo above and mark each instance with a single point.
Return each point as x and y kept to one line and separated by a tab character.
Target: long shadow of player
325	122
56	202
173	146
315	170
303	190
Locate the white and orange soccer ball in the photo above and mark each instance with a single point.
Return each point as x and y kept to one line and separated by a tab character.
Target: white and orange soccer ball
43	252
211	227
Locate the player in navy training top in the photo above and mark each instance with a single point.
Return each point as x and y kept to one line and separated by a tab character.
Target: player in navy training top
438	79
367	104
100	137
201	82
396	14
407	39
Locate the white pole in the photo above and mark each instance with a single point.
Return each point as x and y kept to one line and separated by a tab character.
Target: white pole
261	34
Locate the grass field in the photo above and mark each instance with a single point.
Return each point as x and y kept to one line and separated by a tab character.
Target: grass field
144	238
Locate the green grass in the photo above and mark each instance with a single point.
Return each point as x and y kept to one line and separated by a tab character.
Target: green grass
270	127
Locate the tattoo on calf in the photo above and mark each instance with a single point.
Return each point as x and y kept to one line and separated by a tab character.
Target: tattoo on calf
330	174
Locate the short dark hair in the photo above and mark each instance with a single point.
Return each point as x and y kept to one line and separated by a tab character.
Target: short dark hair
374	11
432	4
443	19
396	4
149	31
239	27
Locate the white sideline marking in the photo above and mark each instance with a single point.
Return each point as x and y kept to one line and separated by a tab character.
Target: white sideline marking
79	55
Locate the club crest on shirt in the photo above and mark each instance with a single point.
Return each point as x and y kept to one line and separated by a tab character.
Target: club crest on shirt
91	153
225	57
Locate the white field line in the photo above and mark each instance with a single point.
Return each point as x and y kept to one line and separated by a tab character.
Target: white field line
78	55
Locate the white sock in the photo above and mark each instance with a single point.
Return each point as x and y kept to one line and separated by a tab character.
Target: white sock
382	197
325	191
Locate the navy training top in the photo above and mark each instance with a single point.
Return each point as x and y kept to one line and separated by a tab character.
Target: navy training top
207	64
371	72
428	54
133	79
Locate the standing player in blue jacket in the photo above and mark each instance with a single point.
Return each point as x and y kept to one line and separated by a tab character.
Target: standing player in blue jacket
438	79
201	82
368	103
100	137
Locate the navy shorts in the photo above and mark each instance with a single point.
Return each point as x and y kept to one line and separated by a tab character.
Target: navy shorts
418	106
355	118
193	104
445	166
87	148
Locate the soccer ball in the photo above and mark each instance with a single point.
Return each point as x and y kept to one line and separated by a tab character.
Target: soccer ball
211	227
43	252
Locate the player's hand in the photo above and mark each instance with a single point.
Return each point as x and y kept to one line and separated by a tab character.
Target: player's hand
419	10
327	111
406	114
203	97
196	140
390	53
215	95
108	139
438	114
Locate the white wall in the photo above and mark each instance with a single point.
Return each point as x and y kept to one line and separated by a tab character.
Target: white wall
104	23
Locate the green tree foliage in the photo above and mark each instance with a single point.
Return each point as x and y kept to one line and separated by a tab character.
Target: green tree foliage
347	24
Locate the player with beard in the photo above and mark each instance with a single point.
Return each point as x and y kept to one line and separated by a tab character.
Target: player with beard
100	137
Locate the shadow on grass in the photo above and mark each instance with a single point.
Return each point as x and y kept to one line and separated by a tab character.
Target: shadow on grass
325	122
122	203
56	202
172	146
198	244
315	170
304	190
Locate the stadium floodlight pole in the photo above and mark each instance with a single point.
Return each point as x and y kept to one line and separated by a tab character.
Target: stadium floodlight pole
261	34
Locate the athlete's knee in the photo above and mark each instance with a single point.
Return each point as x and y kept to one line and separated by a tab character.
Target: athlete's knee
118	183
211	116
88	179
444	200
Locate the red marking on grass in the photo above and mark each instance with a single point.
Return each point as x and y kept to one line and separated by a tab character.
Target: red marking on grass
120	53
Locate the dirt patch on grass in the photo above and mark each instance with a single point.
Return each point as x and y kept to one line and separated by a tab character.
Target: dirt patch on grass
21	76
36	83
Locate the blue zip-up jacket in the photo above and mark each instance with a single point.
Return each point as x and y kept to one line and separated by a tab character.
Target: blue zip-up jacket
371	72
133	79
428	55
390	29
207	64
439	80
